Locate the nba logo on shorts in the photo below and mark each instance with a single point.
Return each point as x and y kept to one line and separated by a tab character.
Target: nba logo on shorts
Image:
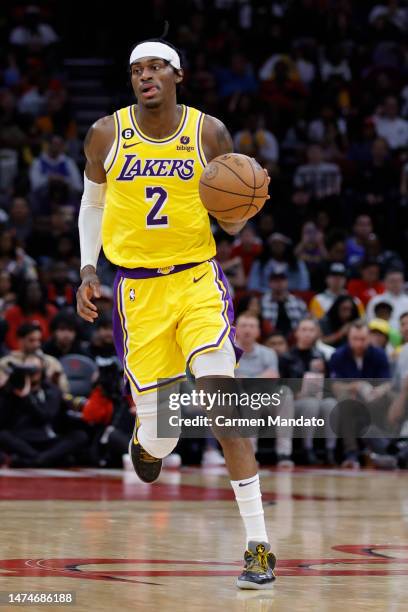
132	295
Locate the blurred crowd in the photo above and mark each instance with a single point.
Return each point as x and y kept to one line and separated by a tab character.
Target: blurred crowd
316	91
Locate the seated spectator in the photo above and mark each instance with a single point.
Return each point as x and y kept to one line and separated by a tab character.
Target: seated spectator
378	179
306	362
278	257
336	322
383	312
7	295
335	243
369	284
60	290
278	342
282	309
33	33
311	248
259	361
317	179
231	266
13	258
31	307
54	166
31	416
238	78
356	244
248	246
29	343
64	336
256	141
386	258
394	295
379	335
390	125
360	361
101	344
20	221
335	286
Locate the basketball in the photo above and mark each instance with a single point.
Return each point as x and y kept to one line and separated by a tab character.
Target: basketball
233	187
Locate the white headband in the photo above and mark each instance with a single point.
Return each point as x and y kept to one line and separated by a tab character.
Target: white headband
155	49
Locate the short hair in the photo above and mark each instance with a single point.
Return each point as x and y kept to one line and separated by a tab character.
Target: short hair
358	324
309	318
248	315
404	314
385	305
26	329
67	320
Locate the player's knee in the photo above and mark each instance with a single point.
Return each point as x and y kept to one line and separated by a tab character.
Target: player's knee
220	362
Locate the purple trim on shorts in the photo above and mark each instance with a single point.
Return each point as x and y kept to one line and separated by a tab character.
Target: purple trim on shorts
140	273
228	315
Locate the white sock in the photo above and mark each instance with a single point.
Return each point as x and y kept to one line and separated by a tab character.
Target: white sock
249	500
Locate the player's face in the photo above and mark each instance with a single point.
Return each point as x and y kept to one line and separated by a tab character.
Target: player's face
153	80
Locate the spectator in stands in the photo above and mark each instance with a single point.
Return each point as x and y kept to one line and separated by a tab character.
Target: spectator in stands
336	322
282	309
390	125
64	336
13	258
360	361
7	295
306	362
101	344
248	246
20	221
31	307
261	362
33	34
60	290
231	266
278	342
29	343
394	295
311	248
31	416
335	286
356	244
54	166
369	283
317	179
256	141
335	243
277	257
238	78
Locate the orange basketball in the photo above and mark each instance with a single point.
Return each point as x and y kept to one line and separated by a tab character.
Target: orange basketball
233	187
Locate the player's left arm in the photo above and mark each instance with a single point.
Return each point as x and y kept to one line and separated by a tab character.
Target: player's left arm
216	140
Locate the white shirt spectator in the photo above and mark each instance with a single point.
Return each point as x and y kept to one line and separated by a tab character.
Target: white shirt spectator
321	180
253	363
342	69
307	71
43	36
394	131
63	166
317	129
399	303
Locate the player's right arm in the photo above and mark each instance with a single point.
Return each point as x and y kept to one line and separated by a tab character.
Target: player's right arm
98	142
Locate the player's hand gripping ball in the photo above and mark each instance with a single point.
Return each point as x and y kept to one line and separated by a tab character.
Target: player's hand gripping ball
234	187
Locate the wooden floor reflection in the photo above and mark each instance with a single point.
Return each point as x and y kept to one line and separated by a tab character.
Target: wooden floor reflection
341	540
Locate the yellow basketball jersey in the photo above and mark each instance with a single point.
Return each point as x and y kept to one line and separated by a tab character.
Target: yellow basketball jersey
153	215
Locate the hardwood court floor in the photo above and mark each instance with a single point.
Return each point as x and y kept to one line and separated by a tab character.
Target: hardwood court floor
341	539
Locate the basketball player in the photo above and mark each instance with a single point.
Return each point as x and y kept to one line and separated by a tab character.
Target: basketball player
172	307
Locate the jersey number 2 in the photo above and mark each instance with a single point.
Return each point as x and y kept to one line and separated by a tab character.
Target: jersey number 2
154	219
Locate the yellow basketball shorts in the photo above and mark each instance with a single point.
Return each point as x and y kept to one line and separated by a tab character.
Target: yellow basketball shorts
163	318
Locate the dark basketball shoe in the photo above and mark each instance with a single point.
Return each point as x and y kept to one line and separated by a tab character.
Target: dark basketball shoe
146	467
258	570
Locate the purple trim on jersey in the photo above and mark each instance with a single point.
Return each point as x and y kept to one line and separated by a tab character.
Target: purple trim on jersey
140	273
158	141
117	125
227	314
198	140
